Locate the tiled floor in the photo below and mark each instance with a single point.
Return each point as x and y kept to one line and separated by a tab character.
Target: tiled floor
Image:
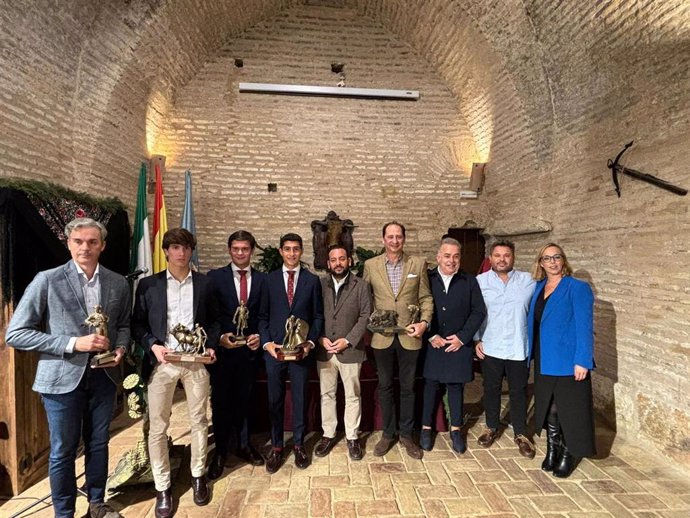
496	482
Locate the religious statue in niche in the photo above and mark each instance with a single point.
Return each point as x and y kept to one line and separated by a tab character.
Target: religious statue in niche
330	231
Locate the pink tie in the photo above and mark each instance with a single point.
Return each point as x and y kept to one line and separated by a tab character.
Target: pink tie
291	287
243	286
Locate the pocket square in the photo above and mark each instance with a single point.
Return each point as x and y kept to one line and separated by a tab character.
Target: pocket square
411	275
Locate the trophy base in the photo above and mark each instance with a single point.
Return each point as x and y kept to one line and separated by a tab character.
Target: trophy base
294	355
188	358
103	360
240	342
389	330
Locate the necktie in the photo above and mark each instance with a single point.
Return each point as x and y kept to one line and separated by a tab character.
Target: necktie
291	286
243	285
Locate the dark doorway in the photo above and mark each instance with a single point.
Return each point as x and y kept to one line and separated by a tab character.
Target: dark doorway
473	248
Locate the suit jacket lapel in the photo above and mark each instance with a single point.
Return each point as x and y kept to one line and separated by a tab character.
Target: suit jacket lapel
554	299
161	291
196	295
106	286
233	290
407	265
73	280
343	293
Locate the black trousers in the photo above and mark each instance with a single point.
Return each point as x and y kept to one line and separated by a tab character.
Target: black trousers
406	360
277	374
232	383
455	401
517	374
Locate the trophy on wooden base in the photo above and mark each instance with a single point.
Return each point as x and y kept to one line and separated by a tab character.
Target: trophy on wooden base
192	345
241	321
296	331
98	320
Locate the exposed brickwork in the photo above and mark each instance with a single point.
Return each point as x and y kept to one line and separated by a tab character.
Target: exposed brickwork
545	91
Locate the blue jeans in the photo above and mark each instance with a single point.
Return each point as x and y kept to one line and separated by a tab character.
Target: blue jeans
85	412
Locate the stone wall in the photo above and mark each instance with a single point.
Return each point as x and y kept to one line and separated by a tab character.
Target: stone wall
544	91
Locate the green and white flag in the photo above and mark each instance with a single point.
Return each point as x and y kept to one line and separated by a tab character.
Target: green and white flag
141	238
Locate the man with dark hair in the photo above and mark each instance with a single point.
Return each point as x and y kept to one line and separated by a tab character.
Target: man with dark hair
177	295
347	306
78	400
503	345
398	281
233	375
292	290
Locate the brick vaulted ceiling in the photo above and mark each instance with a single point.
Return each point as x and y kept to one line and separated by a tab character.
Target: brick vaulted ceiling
513	65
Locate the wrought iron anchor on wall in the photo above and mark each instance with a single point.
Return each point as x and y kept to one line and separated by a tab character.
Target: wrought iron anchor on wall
645	177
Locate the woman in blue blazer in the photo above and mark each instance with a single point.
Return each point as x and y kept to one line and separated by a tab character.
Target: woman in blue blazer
561	337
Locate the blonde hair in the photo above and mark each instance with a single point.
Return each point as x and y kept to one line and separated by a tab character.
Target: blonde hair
538	272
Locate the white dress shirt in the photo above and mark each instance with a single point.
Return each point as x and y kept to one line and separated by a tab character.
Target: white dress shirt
180	305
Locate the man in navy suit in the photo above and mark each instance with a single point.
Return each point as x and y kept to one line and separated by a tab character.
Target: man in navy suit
233	375
292	290
78	400
174	296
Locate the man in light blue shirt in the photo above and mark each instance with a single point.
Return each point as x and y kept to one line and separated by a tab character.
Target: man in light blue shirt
502	344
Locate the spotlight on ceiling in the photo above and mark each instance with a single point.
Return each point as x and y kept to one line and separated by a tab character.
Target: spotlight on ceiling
239	63
337	68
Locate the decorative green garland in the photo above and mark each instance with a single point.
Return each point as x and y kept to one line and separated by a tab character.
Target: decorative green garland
48	190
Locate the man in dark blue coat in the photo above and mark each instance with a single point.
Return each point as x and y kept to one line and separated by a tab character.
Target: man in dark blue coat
233	375
459	311
292	290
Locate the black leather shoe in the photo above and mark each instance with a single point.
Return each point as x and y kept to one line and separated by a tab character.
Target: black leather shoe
354	448
565	465
324	447
301	458
274	460
250	455
164	504
216	467
202	495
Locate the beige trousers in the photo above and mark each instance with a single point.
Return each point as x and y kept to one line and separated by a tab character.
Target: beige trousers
328	380
161	389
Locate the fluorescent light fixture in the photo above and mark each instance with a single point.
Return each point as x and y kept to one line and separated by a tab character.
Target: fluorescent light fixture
469	195
329	91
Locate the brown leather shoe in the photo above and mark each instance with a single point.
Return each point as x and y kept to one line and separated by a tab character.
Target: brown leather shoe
202	495
384	444
274	460
487	438
164	504
525	446
301	457
354	448
324	447
411	448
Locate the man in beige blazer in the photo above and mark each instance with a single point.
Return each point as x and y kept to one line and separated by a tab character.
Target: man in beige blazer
397	281
346	310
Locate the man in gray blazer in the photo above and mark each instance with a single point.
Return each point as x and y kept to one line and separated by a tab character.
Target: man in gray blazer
347	306
78	400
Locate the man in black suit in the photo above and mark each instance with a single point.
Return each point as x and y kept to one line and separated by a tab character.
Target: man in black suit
459	310
177	295
292	290
233	375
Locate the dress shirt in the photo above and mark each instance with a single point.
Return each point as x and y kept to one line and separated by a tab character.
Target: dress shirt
285	276
394	271
446	278
180	305
504	331
91	288
236	277
337	284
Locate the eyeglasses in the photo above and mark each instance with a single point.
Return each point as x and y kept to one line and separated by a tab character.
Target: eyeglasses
551	258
